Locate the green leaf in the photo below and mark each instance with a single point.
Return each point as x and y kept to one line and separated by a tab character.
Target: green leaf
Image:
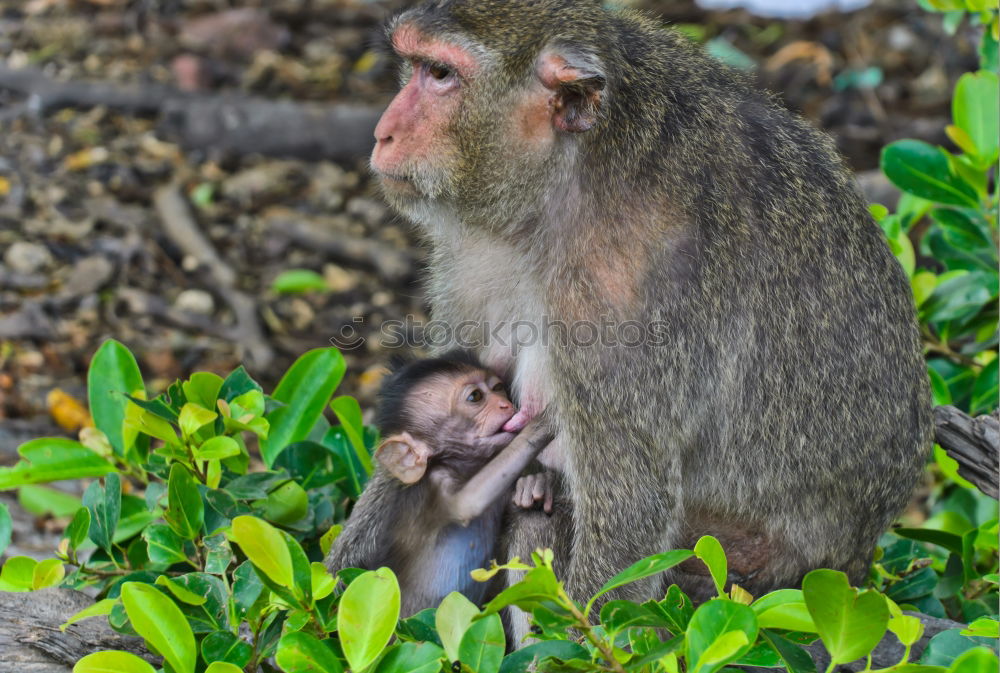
711	553
795	659
202	389
300	652
651	565
265	547
850	624
978	660
306	388
783	609
217	448
369	610
194	417
223	646
51	459
104	503
296	281
923	170
949	541
47	573
112	661
620	615
180	592
164	546
185	508
18	573
99	609
323	583
411	658
940	395
482	646
113	374
452	620
529	659
6	526
348	412
959	297
237	383
41	501
986	390
158	619
720	631
286	504
907	628
976	111
247	587
984	627
225	666
946	647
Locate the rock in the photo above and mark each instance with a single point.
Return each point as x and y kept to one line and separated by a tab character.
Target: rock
88	275
339	279
25	257
30	322
195	301
270	182
372	212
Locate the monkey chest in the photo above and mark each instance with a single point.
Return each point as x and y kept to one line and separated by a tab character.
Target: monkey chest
444	566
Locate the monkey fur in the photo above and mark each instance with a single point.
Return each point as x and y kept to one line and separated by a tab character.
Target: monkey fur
568	162
446	468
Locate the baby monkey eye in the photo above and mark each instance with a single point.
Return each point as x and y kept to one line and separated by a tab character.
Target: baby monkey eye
498	388
475	396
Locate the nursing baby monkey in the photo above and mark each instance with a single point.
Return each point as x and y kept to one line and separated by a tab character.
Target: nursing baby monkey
446	472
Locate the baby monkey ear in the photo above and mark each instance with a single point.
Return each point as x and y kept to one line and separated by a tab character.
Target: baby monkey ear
404	456
577	80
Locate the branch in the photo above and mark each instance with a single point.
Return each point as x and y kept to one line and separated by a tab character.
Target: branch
229	124
974	443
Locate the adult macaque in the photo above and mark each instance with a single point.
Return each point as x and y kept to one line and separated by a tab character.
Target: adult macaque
446	471
570	164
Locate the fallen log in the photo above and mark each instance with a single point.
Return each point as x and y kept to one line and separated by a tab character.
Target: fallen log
227	124
30	639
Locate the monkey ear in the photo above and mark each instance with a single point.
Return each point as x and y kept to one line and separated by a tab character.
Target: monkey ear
578	81
404	456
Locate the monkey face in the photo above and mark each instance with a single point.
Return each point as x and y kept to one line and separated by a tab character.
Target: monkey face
482	399
464	413
414	153
472	127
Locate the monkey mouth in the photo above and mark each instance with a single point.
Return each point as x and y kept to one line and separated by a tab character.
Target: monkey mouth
398	183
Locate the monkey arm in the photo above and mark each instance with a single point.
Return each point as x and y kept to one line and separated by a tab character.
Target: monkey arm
368	533
468	501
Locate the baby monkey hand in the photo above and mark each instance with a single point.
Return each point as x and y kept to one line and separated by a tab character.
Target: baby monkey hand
532	489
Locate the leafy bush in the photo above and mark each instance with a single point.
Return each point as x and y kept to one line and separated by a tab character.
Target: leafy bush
944	233
219	567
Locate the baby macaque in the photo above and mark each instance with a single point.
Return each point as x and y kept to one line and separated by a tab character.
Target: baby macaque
446	470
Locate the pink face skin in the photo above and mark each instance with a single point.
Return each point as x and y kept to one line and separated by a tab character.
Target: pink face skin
412	133
469	409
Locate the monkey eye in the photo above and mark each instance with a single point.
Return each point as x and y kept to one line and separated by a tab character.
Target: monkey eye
475	396
439	72
498	388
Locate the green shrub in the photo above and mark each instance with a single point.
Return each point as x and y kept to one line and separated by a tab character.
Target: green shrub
219	568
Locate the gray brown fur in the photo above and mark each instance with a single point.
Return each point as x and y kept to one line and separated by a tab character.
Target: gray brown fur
409	529
788	410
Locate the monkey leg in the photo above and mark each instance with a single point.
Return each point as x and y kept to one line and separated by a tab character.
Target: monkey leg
759	559
524	531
